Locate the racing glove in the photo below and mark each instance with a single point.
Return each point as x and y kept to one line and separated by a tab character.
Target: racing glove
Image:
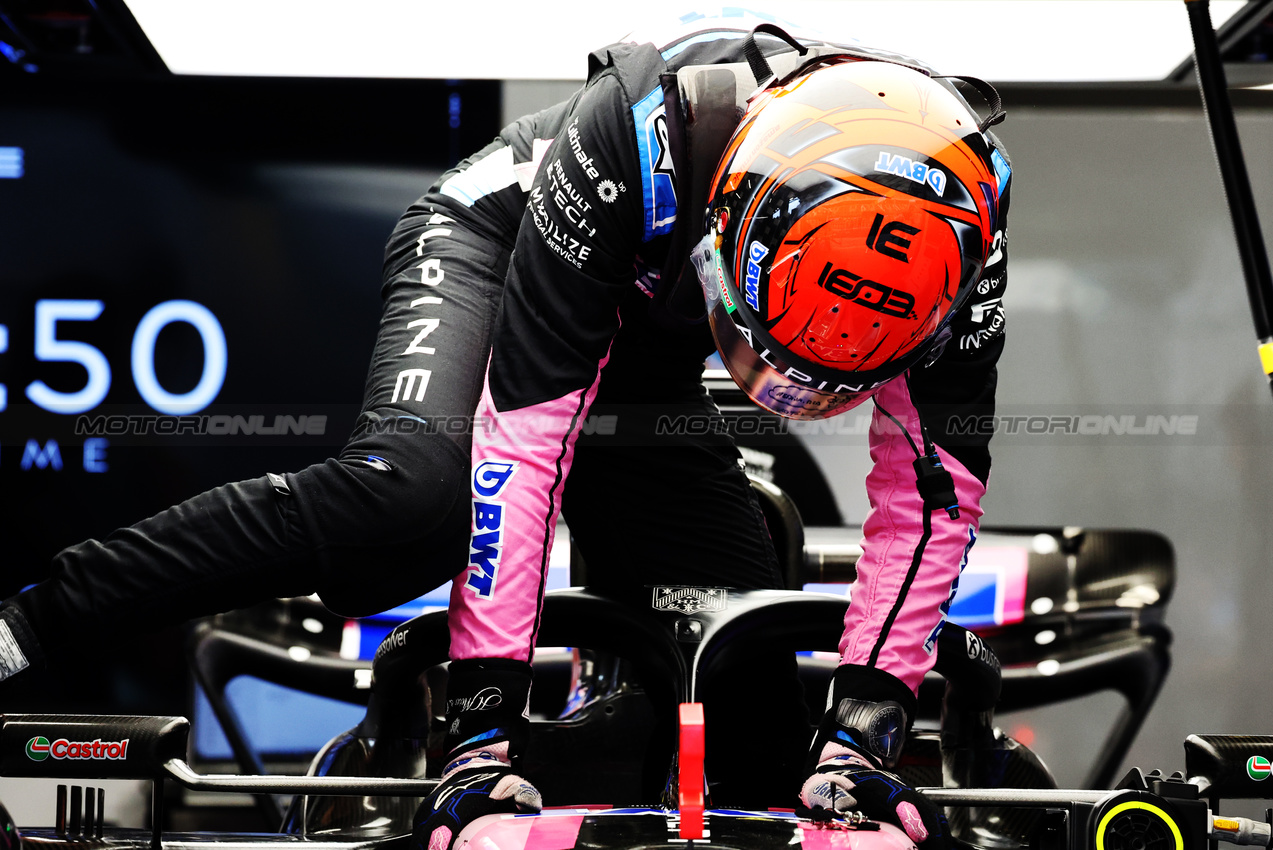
858	742
488	723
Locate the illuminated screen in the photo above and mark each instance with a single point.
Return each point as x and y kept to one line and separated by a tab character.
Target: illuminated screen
189	293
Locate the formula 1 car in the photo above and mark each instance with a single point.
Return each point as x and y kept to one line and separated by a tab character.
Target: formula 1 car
637	671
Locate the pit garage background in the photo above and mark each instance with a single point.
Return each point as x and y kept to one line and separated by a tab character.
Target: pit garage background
1129	396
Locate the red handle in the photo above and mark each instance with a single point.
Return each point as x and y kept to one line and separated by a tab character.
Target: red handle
690	779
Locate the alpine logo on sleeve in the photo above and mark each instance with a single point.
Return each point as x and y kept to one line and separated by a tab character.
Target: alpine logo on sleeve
486	543
658	177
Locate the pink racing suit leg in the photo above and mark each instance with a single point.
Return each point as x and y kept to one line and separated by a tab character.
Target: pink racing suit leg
912	555
520	462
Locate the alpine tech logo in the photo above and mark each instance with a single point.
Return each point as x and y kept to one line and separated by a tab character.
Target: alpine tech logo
871	294
39	748
486	545
663	164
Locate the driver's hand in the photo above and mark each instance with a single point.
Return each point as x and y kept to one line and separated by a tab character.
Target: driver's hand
474	785
488	722
846	780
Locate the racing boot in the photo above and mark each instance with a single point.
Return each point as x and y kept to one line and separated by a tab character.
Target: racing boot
488	724
974	754
856	746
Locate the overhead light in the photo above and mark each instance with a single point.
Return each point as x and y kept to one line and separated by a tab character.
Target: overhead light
1000	40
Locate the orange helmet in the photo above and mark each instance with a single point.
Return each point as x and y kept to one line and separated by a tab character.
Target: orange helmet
849	219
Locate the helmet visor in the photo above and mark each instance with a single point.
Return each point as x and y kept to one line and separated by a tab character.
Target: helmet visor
767	380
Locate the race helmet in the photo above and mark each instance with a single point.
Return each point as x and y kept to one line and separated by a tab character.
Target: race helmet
848	220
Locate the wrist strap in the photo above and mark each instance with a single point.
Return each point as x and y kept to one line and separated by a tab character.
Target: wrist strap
875	729
868	711
488	707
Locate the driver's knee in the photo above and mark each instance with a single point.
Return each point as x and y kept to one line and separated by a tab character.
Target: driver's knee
384	495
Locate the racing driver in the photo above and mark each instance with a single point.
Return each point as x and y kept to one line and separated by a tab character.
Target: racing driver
829	218
832	213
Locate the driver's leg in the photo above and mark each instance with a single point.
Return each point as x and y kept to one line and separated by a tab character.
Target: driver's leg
647	509
384	522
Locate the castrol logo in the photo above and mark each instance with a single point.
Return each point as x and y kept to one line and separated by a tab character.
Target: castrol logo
40	748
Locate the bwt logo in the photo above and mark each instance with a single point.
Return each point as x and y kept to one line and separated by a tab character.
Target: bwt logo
491	476
755	254
39	748
487	540
904	166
